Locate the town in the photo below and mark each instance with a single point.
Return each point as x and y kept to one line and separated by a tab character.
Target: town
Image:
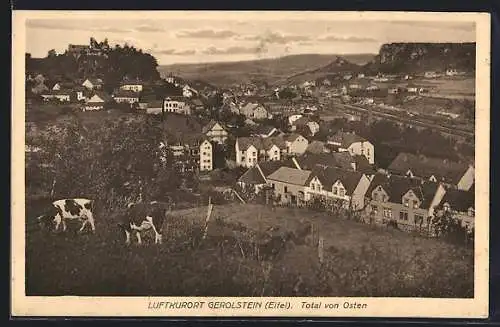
389	150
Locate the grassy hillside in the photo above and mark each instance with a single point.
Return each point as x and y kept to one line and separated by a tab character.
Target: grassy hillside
269	70
360	260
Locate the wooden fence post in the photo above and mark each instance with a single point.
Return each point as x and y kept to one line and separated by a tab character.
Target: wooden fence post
209	214
321	253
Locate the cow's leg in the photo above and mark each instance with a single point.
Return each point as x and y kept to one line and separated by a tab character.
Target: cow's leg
57	220
90	220
83	225
138	234
127	234
63	222
158	238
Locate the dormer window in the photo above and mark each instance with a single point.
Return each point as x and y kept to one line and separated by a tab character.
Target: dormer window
405	202
335	190
415	204
341	192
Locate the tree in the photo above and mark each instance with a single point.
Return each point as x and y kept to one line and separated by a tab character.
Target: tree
52	53
449	227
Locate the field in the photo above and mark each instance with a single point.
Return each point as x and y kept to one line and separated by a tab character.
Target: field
360	260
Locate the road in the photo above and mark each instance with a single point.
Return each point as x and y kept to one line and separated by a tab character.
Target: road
414	121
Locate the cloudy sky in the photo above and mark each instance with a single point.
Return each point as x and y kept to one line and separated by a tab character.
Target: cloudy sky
188	40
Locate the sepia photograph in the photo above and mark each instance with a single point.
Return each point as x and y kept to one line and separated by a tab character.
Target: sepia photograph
294	163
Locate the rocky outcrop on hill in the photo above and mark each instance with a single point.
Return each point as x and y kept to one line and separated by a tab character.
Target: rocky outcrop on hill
419	57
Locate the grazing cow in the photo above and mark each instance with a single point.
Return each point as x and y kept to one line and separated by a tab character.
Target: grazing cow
68	209
142	217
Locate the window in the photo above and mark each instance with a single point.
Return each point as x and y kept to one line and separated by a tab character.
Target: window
415	204
418	219
335	190
272	186
375	209
387	213
275	153
313	186
243	158
254	153
341	192
375	196
204	153
403	215
405	202
285	189
368	152
471	212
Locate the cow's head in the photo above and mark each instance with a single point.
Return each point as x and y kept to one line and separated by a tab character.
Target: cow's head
46	221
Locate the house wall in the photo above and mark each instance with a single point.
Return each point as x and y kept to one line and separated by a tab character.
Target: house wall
179	107
132	87
217	134
364	149
206	156
292	190
298	146
386	211
359	193
88	85
91	107
467	180
126	100
316	188
246	158
313	127
274	153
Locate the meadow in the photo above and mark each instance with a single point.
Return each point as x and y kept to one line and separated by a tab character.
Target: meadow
360	260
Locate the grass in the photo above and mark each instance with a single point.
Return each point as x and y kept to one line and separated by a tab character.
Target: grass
360	260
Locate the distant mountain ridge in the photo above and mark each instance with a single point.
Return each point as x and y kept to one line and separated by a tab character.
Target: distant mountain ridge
269	70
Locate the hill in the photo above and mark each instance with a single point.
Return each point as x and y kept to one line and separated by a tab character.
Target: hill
337	66
420	57
268	70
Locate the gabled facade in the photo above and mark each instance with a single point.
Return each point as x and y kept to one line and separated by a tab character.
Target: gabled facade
92	83
136	86
296	144
215	132
354	144
461	205
406	202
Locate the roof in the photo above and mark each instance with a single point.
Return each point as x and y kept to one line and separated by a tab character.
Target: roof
260	143
337	159
106	97
290	175
345	139
328	176
291	137
263	129
316	147
302	121
249	108
154	103
175	98
424	167
397	186
362	164
132	82
211	125
269	167
125	94
252	176
94	81
197	102
459	200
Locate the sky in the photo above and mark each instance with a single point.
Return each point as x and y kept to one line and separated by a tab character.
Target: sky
195	40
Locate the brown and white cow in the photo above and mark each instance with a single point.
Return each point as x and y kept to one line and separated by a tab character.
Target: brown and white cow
143	216
69	209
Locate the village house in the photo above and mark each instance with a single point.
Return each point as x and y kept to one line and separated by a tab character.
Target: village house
409	203
311	126
39	88
255	178
93	83
451	72
251	150
354	144
191	150
330	183
176	104
61	96
461	205
215	132
132	86
97	101
454	174
151	106
289	185
188	91
255	111
431	74
341	160
126	96
265	131
296	144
